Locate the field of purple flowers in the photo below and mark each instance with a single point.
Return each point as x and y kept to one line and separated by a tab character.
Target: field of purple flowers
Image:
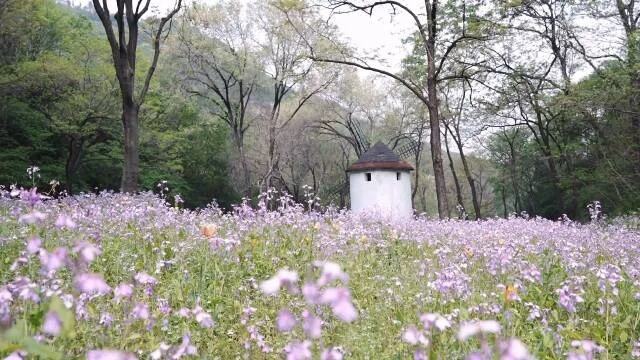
114	276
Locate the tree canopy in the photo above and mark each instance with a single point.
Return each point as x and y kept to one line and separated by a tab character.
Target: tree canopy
507	108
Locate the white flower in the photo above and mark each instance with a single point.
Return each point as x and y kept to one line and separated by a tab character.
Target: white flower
470	329
283	277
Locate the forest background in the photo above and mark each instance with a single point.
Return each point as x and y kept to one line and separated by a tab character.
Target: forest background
507	106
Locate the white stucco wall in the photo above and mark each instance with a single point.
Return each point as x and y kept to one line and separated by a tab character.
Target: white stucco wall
383	193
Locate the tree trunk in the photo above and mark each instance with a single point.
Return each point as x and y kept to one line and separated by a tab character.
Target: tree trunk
271	158
635	121
470	179
124	48
246	175
73	162
417	158
436	158
130	170
504	202
634	100
629	19
433	107
417	174
514	177
453	173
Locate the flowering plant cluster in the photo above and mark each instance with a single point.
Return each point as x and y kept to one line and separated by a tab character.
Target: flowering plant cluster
315	294
117	276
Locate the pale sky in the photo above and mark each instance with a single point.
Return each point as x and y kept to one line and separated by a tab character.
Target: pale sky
379	35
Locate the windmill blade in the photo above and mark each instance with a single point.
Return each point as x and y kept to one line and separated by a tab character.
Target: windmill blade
337	189
359	135
407	150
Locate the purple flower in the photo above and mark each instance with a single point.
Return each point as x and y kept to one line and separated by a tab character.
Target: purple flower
185	348
514	349
584	350
311	293
30	196
286	321
123	291
143	278
282	278
158	353
202	317
437	320
163	306
635	353
33	245
298	350
140	311
184	313
110	355
331	353
52	262
471	329
413	336
17	355
6	297
91	284
311	324
25	289
569	296
87	251
340	301
330	272
52	324
64	221
67	300
32	217
419	354
106	319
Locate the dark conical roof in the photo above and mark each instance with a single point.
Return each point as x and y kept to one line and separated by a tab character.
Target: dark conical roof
379	157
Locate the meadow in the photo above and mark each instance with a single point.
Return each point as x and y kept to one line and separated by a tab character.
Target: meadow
114	276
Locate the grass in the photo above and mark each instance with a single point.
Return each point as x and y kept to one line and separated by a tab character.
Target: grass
394	270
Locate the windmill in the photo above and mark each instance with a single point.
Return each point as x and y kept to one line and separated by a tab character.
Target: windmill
403	145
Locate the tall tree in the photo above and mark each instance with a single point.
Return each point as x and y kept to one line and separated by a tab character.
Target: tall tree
453	126
221	68
629	13
436	48
293	79
124	48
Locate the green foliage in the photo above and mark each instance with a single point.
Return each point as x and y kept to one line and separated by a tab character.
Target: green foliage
60	110
594	138
18	338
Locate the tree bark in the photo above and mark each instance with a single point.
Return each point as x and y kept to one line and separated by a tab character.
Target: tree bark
630	19
468	175
124	46
131	168
514	177
417	158
504	203
434	114
74	156
453	172
245	170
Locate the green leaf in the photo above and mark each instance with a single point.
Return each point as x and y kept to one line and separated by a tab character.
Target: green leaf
16	338
624	336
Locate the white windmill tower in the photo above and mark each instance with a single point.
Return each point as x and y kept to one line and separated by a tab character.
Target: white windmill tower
381	182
